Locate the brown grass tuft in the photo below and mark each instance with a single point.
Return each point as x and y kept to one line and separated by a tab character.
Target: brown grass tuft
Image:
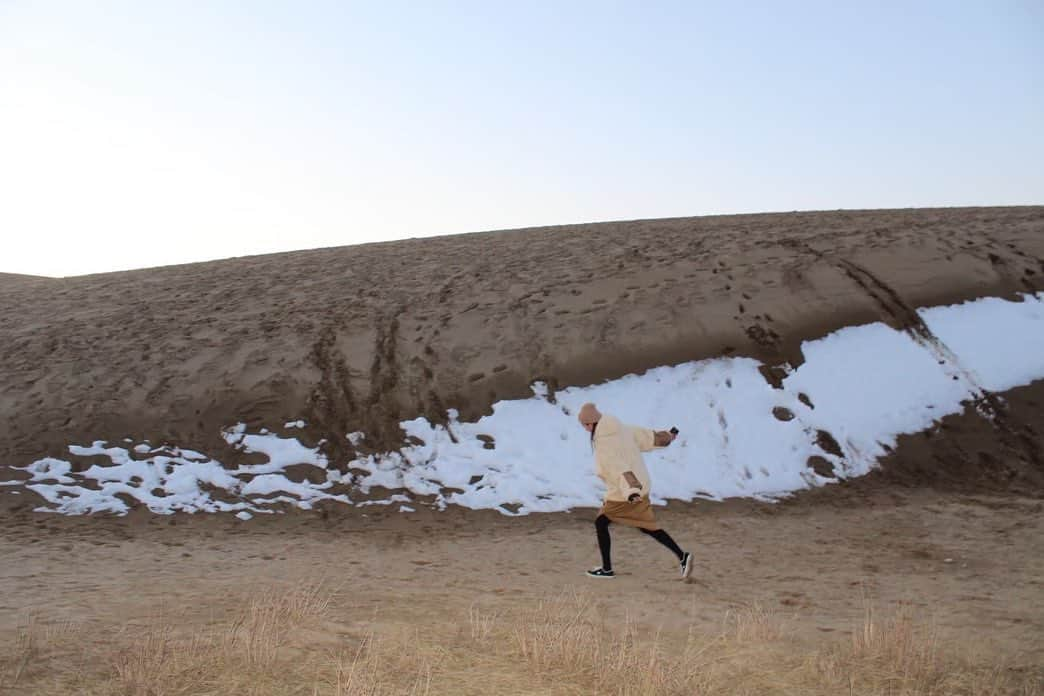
902	654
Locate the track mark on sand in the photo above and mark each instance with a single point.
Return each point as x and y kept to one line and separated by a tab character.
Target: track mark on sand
1013	434
911	322
332	402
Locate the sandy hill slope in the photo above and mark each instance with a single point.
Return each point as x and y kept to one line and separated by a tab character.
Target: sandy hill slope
8	280
359	338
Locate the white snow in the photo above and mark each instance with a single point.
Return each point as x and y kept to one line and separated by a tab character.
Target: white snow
1000	342
867	385
398	498
281	451
169	479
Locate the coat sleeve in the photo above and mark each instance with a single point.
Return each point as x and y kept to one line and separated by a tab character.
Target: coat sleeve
644	438
628	489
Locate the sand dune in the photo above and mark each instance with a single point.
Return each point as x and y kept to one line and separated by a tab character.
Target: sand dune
8	280
359	338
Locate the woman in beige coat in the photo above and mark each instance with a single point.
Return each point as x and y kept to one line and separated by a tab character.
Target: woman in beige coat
618	462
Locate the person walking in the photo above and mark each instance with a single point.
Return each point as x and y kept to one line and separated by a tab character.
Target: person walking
618	462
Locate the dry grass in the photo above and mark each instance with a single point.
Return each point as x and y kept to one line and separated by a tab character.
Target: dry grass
35	643
569	641
376	668
25	649
563	646
162	661
902	654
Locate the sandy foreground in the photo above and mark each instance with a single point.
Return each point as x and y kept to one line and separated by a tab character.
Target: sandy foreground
950	529
972	565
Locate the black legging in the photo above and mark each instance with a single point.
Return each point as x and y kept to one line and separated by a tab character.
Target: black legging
605	541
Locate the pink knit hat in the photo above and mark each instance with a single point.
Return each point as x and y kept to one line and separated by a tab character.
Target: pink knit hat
589	414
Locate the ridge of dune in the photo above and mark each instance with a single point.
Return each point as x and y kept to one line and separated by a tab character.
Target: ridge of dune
7	279
361	338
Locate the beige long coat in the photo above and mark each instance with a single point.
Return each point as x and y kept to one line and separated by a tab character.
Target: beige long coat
617	450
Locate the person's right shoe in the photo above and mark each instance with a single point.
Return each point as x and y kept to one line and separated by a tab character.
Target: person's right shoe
601	573
686	565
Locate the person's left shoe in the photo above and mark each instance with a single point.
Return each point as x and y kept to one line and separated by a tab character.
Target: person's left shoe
686	565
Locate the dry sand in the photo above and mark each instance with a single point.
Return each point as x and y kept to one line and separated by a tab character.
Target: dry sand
357	338
972	564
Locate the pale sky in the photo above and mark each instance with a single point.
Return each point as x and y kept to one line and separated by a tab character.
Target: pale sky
146	133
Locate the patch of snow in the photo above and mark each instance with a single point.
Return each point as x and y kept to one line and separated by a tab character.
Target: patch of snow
171	480
397	498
